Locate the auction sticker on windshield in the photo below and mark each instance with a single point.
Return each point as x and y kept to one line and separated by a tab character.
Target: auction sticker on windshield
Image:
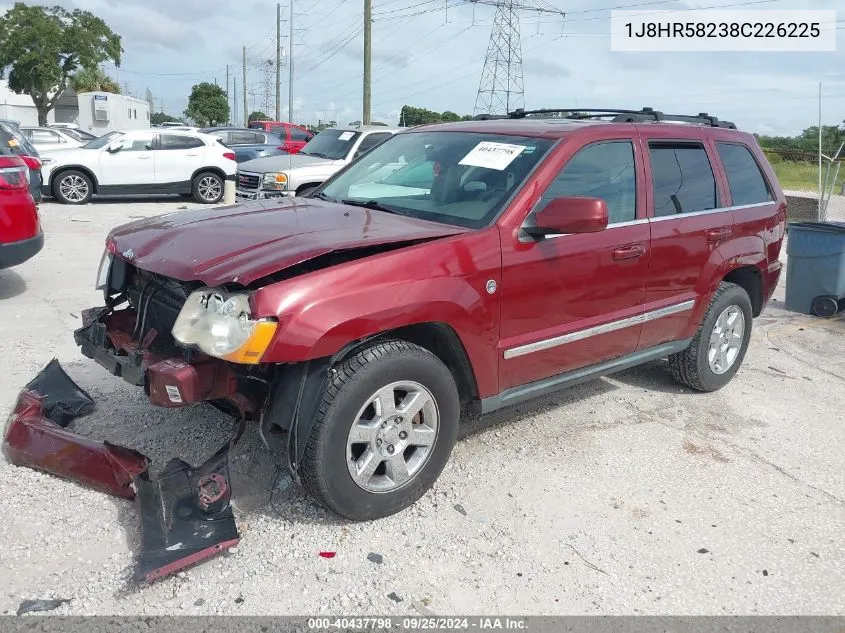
346	136
492	155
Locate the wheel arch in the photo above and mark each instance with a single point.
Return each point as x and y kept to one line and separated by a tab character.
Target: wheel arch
749	278
64	168
215	170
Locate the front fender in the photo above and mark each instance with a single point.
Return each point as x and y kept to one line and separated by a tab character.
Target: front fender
443	281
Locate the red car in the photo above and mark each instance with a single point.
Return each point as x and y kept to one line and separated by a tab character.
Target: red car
454	268
20	230
294	136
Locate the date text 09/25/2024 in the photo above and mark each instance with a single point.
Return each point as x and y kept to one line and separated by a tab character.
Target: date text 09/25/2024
420	623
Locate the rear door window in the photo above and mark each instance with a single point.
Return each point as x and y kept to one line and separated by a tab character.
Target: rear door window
175	141
298	134
682	177
746	181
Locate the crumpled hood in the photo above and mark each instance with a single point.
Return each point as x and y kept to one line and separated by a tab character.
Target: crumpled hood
245	242
283	163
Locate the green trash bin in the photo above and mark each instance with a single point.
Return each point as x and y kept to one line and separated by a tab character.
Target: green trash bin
815	269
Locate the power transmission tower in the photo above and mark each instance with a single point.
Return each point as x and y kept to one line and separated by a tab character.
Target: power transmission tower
269	78
501	87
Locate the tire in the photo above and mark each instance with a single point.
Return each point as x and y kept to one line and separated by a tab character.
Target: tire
330	456
72	187
305	191
207	187
703	369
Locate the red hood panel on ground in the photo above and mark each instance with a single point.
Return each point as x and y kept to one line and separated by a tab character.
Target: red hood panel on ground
242	243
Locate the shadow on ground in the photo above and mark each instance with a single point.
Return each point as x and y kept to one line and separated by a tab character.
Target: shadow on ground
11	284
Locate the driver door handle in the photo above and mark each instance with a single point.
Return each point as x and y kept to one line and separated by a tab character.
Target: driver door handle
631	251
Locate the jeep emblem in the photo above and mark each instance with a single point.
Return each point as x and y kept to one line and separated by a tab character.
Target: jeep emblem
129	255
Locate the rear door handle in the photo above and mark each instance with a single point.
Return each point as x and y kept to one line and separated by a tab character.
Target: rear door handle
144	157
632	251
719	234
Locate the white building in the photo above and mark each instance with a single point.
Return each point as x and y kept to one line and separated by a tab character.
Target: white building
95	112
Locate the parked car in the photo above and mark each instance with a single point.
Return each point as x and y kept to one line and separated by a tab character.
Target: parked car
141	162
247	144
356	325
294	136
20	229
13	140
300	174
46	139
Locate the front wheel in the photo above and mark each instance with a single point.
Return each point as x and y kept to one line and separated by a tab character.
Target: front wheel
718	347
72	187
208	188
383	431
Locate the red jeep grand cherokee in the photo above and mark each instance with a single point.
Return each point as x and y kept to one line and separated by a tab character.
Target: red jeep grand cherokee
20	229
454	268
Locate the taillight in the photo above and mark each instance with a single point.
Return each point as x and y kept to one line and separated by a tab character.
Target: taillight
14	174
229	155
32	162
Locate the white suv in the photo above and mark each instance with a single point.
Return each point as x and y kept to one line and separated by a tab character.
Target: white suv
140	162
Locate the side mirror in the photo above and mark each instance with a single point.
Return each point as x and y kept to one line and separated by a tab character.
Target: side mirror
114	146
569	215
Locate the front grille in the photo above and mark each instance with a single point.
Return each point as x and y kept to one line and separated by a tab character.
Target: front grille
248	181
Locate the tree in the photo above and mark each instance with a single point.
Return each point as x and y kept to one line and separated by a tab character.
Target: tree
157	118
150	99
93	80
258	116
41	47
410	116
208	105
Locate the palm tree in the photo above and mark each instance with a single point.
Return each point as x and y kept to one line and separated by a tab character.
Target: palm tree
93	80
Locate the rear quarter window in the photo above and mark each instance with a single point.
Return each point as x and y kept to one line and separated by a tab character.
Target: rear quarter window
745	179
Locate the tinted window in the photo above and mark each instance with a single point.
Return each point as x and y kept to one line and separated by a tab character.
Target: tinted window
683	179
277	129
174	141
244	138
746	181
370	141
297	134
603	170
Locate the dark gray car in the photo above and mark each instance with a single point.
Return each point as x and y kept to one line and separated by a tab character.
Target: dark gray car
248	144
12	139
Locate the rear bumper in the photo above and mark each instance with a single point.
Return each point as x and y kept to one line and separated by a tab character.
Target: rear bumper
15	253
772	275
169	381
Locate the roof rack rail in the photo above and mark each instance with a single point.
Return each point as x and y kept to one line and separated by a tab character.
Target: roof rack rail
629	116
490	117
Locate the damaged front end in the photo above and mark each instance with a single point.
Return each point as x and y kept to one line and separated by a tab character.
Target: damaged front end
185	512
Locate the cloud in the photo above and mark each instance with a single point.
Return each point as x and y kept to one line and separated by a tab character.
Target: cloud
544	68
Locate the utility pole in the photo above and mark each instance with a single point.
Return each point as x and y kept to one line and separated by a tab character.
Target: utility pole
235	100
368	53
227	84
246	105
290	66
278	61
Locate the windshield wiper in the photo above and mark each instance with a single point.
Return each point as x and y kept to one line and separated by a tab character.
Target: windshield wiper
372	204
317	154
323	196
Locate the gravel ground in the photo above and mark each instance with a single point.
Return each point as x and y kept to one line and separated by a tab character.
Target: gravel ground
628	495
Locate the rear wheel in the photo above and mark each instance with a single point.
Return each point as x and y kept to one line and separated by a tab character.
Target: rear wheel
718	347
383	432
72	187
208	188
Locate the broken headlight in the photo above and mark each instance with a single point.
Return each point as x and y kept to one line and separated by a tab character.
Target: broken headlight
219	324
104	270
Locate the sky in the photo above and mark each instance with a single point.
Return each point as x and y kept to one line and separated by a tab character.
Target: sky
430	53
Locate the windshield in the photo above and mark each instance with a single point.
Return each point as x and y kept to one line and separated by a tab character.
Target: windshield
451	177
13	140
333	144
99	143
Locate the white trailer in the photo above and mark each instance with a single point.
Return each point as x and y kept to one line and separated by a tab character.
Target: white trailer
102	112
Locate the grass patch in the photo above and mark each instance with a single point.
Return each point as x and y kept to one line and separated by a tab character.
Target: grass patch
798	176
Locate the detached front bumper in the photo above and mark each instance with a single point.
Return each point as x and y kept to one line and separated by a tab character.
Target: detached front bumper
169	380
185	513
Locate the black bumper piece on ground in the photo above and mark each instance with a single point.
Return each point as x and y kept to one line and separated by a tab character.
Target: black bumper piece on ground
14	253
186	514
